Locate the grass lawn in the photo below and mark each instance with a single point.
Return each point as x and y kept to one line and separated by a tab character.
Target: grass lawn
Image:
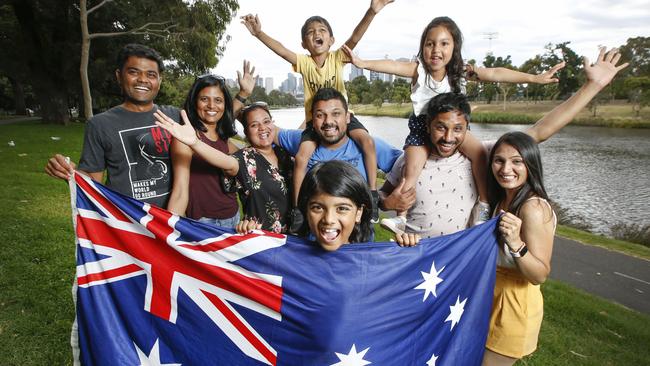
37	268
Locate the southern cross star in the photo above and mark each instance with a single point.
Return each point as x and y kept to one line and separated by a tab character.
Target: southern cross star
455	312
352	358
154	357
431	280
432	360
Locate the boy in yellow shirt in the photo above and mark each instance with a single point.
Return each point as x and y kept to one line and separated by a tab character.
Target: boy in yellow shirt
323	69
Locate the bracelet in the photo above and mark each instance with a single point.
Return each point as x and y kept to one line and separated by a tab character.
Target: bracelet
240	98
523	249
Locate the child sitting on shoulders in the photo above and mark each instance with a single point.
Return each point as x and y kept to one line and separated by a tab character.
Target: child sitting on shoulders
321	69
439	68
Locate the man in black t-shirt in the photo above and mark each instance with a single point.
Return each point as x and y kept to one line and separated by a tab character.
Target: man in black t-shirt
124	141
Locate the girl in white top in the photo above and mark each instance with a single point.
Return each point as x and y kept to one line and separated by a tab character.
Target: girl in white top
439	68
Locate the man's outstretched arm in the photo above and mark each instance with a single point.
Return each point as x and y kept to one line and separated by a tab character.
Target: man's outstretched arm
598	75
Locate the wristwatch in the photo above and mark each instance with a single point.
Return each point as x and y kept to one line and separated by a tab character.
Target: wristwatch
519	252
240	98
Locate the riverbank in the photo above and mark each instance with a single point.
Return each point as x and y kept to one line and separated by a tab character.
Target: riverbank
615	114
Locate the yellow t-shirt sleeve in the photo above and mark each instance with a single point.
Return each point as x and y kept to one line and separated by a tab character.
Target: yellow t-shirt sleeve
301	63
341	57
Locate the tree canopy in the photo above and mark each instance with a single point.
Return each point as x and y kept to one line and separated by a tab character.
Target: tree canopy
43	39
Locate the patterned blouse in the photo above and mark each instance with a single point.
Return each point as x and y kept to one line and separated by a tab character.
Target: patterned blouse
264	190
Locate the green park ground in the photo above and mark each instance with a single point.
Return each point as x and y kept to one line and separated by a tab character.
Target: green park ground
37	268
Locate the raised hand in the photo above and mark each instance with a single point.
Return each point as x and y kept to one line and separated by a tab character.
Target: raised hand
184	133
604	70
354	59
247	80
377	5
252	23
547	77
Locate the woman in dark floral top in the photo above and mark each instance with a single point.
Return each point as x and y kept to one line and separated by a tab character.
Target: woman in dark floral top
261	171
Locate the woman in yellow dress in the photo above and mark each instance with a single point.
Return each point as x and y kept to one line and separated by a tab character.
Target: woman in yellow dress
526	229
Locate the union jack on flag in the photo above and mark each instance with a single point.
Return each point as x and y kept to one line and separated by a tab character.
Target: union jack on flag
153	288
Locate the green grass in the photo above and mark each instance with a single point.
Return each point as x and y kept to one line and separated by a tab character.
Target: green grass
614	114
633	249
580	329
36	246
37	268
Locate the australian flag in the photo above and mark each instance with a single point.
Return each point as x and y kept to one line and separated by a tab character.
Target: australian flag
153	288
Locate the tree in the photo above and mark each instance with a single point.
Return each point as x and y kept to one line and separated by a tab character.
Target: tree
356	88
377	103
47	43
259	95
636	51
534	91
194	24
173	90
378	90
571	76
14	70
400	94
639	92
45	39
504	88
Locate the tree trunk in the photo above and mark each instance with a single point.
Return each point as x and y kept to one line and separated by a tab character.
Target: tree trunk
85	54
54	104
19	97
47	74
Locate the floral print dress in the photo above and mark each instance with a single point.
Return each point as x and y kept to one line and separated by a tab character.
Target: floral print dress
264	190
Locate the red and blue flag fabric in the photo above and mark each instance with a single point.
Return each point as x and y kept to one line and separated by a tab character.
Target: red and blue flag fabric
153	288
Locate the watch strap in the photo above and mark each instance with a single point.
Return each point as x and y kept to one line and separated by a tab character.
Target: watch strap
520	252
240	98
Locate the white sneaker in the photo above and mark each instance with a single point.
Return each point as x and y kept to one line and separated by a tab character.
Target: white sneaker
480	213
395	224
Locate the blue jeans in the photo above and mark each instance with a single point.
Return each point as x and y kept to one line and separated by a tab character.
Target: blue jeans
227	223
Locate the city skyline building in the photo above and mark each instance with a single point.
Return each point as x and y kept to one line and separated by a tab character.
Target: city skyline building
268	84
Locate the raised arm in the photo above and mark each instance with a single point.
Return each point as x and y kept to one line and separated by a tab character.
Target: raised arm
360	29
598	76
252	23
501	74
399	68
246	81
186	136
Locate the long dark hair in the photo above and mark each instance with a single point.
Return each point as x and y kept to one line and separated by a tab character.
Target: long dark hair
340	179
226	125
534	185
455	67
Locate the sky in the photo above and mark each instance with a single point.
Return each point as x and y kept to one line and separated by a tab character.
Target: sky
523	28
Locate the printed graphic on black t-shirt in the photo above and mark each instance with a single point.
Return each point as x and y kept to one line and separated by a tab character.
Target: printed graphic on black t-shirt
147	154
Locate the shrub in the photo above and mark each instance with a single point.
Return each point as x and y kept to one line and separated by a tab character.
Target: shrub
632	232
564	217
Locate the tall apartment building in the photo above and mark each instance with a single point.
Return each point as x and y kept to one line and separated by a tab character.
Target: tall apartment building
268	85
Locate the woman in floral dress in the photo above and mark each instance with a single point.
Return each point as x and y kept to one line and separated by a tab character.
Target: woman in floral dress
260	171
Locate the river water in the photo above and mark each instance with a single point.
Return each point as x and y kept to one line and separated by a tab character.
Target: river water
599	174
